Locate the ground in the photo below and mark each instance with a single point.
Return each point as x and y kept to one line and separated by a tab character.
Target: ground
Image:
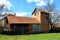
44	36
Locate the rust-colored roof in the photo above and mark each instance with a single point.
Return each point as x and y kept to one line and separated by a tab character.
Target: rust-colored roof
39	10
19	20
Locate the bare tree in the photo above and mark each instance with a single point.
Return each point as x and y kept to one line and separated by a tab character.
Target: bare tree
3	9
57	19
51	8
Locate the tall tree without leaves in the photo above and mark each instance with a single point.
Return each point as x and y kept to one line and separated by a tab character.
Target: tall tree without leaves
3	9
51	8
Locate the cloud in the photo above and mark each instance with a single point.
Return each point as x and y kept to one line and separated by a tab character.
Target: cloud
40	2
51	1
7	13
22	13
29	1
27	14
6	3
33	1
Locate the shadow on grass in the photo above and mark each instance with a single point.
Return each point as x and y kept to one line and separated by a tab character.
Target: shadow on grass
10	33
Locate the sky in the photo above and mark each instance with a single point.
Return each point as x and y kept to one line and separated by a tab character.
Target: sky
26	7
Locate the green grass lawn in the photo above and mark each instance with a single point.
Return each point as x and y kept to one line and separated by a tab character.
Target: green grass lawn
47	36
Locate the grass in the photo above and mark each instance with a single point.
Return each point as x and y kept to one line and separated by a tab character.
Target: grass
47	36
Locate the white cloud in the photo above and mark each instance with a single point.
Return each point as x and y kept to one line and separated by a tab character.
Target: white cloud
51	1
7	13
40	2
33	1
22	13
27	14
6	3
29	1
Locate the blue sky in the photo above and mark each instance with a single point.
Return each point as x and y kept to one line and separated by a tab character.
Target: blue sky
26	7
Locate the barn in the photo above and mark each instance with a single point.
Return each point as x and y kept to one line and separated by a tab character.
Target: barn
39	22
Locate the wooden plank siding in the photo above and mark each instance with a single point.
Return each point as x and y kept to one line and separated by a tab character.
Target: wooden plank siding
45	22
30	28
6	27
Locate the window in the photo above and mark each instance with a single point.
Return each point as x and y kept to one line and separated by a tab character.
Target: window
36	28
14	27
45	15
